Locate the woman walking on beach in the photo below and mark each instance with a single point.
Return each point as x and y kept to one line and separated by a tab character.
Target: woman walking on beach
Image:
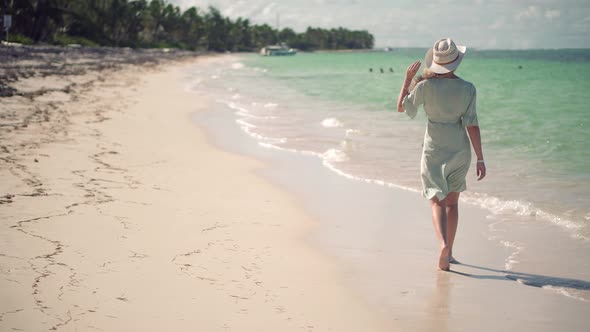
449	103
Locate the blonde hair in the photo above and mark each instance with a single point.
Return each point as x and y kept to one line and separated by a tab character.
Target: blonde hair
426	74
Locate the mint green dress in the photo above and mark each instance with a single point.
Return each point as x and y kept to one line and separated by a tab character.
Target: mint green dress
449	104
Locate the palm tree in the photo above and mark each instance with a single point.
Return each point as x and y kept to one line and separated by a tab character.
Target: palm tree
263	35
156	10
216	30
143	23
192	28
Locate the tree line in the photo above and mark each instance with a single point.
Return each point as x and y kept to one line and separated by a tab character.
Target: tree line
157	23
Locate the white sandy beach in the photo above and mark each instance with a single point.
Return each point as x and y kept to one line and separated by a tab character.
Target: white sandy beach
141	225
119	213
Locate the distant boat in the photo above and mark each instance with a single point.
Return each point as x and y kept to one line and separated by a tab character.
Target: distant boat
277	50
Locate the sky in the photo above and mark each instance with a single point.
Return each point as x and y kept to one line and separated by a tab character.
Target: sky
482	24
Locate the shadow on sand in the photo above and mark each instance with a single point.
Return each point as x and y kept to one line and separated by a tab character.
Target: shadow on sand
528	279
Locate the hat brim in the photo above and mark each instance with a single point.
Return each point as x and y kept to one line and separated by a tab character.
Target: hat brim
446	68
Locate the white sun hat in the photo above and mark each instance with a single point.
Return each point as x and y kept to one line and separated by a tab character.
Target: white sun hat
444	56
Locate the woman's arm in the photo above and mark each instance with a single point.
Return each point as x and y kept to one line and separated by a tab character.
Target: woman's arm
410	73
475	138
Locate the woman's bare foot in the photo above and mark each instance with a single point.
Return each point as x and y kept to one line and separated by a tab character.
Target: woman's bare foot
443	259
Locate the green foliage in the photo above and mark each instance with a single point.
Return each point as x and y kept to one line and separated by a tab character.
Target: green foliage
157	23
17	38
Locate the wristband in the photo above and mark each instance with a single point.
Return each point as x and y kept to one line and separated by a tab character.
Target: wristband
480	161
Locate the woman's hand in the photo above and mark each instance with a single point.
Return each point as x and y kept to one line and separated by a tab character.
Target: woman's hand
475	138
410	73
481	170
412	70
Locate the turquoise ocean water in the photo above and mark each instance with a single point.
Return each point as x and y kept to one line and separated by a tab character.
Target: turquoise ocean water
532	108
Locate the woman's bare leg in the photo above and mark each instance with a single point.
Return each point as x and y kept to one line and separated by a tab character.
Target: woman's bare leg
452	210
439	220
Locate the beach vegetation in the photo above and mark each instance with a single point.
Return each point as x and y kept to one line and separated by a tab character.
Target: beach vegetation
18	38
158	23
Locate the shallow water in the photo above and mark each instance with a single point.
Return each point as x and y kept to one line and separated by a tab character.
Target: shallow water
531	107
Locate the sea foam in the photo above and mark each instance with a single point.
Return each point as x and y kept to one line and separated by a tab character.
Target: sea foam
498	206
331	123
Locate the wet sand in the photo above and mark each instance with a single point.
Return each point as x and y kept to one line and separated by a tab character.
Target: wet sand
129	203
117	215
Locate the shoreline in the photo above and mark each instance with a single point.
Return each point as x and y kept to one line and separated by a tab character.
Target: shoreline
390	262
136	222
130	216
360	228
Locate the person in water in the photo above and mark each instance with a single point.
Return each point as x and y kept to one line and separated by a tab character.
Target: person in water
449	103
